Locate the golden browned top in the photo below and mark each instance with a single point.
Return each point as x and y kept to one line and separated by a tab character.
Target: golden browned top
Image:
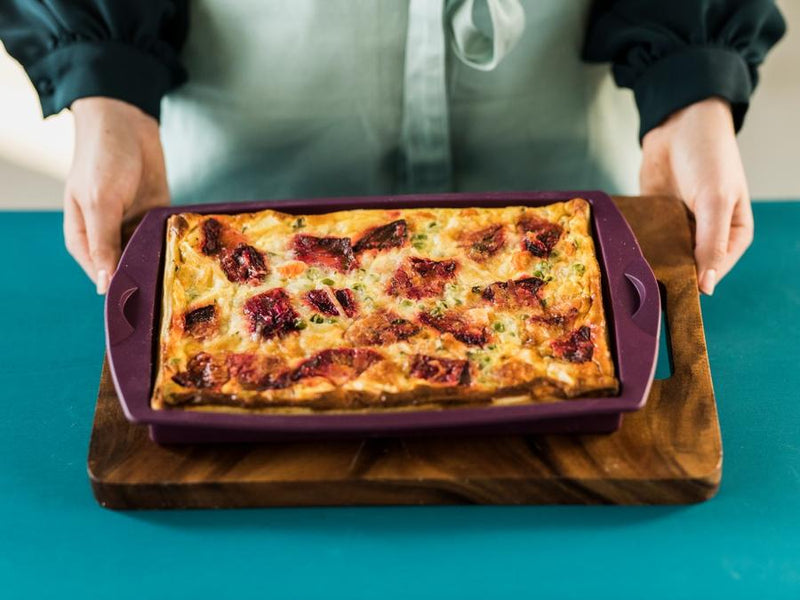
378	308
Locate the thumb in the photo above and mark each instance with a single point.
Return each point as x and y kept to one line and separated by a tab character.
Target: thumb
103	233
713	217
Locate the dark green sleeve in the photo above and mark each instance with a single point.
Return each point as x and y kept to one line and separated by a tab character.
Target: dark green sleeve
123	49
672	54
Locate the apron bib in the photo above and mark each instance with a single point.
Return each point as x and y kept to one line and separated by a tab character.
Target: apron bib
305	98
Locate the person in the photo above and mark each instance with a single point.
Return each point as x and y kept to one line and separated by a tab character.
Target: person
343	97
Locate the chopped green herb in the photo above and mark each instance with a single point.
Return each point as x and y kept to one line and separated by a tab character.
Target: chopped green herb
299	223
312	273
498	326
579	268
458	302
419	236
554	254
476	289
418	245
317	319
407	303
300	324
399	321
432	224
491	347
333	321
358	286
328	281
544	302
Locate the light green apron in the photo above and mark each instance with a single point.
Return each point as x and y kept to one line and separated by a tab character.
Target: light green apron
303	98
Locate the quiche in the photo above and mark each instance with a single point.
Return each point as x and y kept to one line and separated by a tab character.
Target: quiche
368	310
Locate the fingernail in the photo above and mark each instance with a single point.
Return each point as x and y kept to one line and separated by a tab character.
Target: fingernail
709	281
102	281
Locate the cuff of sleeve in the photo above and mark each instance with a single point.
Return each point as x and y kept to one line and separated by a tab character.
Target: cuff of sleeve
689	76
111	69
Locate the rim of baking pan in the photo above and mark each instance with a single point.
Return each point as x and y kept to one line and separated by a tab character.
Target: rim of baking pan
631	301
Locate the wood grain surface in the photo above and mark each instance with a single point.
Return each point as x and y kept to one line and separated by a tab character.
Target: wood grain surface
670	452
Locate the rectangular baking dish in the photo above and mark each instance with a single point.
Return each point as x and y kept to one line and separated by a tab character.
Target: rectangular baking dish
631	298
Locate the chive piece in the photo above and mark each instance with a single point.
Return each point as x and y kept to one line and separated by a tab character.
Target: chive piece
407	303
328	281
299	223
476	289
317	319
498	326
432	224
300	324
579	268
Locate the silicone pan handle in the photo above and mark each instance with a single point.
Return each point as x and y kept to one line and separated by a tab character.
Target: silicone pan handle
130	314
122	309
645	307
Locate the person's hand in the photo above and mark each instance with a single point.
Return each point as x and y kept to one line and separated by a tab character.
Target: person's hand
117	174
694	155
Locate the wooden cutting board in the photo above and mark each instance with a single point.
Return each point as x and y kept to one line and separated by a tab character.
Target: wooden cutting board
667	453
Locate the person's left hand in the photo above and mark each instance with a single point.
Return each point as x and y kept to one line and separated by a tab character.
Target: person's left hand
694	155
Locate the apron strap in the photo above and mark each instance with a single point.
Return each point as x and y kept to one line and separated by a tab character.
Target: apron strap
425	131
484	44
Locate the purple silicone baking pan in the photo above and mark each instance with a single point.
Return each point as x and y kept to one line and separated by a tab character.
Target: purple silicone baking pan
631	297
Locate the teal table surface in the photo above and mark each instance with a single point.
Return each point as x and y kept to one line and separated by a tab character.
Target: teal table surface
55	541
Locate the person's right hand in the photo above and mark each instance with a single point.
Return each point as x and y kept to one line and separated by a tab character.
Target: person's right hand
117	173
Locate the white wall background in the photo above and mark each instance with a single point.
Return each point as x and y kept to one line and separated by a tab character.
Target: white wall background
35	154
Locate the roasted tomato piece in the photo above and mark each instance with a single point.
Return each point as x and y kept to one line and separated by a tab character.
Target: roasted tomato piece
458	326
203	371
271	314
200	322
514	293
332	252
338	365
576	346
380	328
539	237
391	235
556	319
484	243
347	300
244	264
212	233
322	301
421	278
241	262
256	372
446	371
